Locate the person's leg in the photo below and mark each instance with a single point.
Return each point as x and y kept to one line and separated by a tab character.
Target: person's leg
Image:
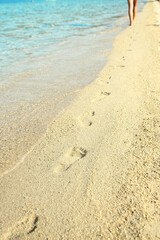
130	11
134	8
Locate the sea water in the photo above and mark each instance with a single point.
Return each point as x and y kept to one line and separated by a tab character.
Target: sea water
48	50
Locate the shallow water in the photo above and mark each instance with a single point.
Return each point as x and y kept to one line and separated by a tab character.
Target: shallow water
48	50
30	29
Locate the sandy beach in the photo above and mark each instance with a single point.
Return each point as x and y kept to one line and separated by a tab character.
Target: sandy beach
95	174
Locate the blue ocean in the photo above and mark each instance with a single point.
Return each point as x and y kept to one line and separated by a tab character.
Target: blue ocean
32	28
48	50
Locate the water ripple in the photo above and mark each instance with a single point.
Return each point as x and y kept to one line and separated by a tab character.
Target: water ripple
35	25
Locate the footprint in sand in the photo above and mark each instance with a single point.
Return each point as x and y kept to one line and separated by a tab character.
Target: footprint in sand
113	67
70	158
120	66
101	96
86	118
23	228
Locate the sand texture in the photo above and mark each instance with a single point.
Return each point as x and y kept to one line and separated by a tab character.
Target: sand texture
96	173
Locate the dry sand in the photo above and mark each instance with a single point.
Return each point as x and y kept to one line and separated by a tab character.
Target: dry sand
96	173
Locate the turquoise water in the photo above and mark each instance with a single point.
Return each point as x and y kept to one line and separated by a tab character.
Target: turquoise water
48	50
33	28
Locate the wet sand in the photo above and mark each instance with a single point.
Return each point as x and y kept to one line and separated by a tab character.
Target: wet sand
42	88
95	174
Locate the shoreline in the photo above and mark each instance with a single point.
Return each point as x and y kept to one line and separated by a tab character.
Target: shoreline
21	131
94	175
25	121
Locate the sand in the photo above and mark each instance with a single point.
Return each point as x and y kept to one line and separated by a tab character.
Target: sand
95	174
